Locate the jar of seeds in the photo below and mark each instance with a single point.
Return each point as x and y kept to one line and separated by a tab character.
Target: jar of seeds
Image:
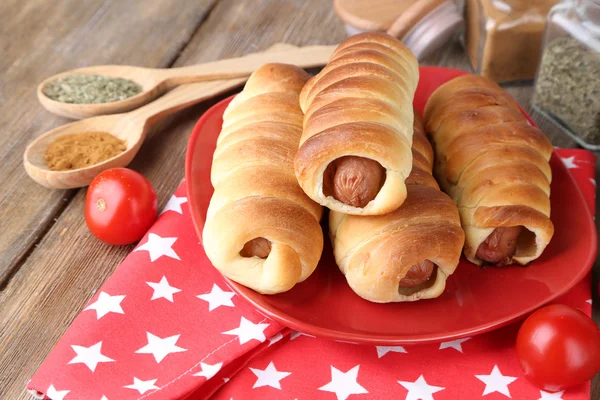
567	86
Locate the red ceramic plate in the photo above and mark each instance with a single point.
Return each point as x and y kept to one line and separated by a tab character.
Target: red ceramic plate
476	300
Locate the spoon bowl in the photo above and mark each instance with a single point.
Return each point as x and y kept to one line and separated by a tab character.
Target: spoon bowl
145	77
116	125
157	81
131	127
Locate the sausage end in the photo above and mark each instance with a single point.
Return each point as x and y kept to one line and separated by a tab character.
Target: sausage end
417	274
353	180
425	273
500	246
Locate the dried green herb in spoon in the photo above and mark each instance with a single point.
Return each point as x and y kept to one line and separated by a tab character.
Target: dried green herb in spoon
89	89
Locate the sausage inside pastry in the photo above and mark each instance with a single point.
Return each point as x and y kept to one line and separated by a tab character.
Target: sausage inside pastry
408	254
354	154
494	165
261	230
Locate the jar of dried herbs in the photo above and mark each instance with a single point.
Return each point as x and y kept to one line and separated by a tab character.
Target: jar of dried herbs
567	87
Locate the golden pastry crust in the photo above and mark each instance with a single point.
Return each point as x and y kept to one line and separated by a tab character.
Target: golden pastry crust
376	253
256	195
493	164
360	105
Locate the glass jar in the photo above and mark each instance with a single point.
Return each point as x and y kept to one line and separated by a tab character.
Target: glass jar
503	37
567	86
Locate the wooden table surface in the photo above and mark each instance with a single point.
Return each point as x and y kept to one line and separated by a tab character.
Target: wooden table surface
50	265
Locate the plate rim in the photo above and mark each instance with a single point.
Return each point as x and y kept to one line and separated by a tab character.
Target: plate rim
250	296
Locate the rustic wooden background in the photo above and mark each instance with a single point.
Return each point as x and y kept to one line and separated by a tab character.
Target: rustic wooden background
50	265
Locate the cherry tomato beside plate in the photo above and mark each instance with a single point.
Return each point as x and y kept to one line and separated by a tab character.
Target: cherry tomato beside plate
558	347
120	206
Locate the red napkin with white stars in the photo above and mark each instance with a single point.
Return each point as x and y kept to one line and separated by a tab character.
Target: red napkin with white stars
166	326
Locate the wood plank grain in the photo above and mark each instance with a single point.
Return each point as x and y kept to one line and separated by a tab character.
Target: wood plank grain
41	38
69	265
235	28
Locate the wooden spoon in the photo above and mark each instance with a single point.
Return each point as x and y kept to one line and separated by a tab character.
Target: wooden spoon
131	127
156	81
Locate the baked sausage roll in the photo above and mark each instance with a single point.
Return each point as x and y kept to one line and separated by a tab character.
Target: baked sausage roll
355	150
261	230
406	255
494	165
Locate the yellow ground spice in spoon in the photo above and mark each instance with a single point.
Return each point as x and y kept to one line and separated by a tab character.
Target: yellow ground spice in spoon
82	150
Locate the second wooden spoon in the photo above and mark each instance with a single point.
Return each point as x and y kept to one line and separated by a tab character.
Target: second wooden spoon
156	81
131	127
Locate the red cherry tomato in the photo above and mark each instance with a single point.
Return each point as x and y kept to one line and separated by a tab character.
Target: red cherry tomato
120	206
558	347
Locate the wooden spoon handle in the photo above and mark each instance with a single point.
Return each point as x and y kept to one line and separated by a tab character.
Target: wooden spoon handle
305	57
187	95
180	98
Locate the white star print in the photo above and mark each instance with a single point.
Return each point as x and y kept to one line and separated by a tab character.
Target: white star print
56	394
142	386
569	162
296	334
157	247
269	376
551	396
217	297
248	331
104	398
90	356
106	304
420	389
275	339
454	344
496	382
208	371
174	204
383	350
160	348
343	384
593	181
589	301
163	290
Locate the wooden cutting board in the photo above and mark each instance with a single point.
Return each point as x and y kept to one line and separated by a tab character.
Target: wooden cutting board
371	15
